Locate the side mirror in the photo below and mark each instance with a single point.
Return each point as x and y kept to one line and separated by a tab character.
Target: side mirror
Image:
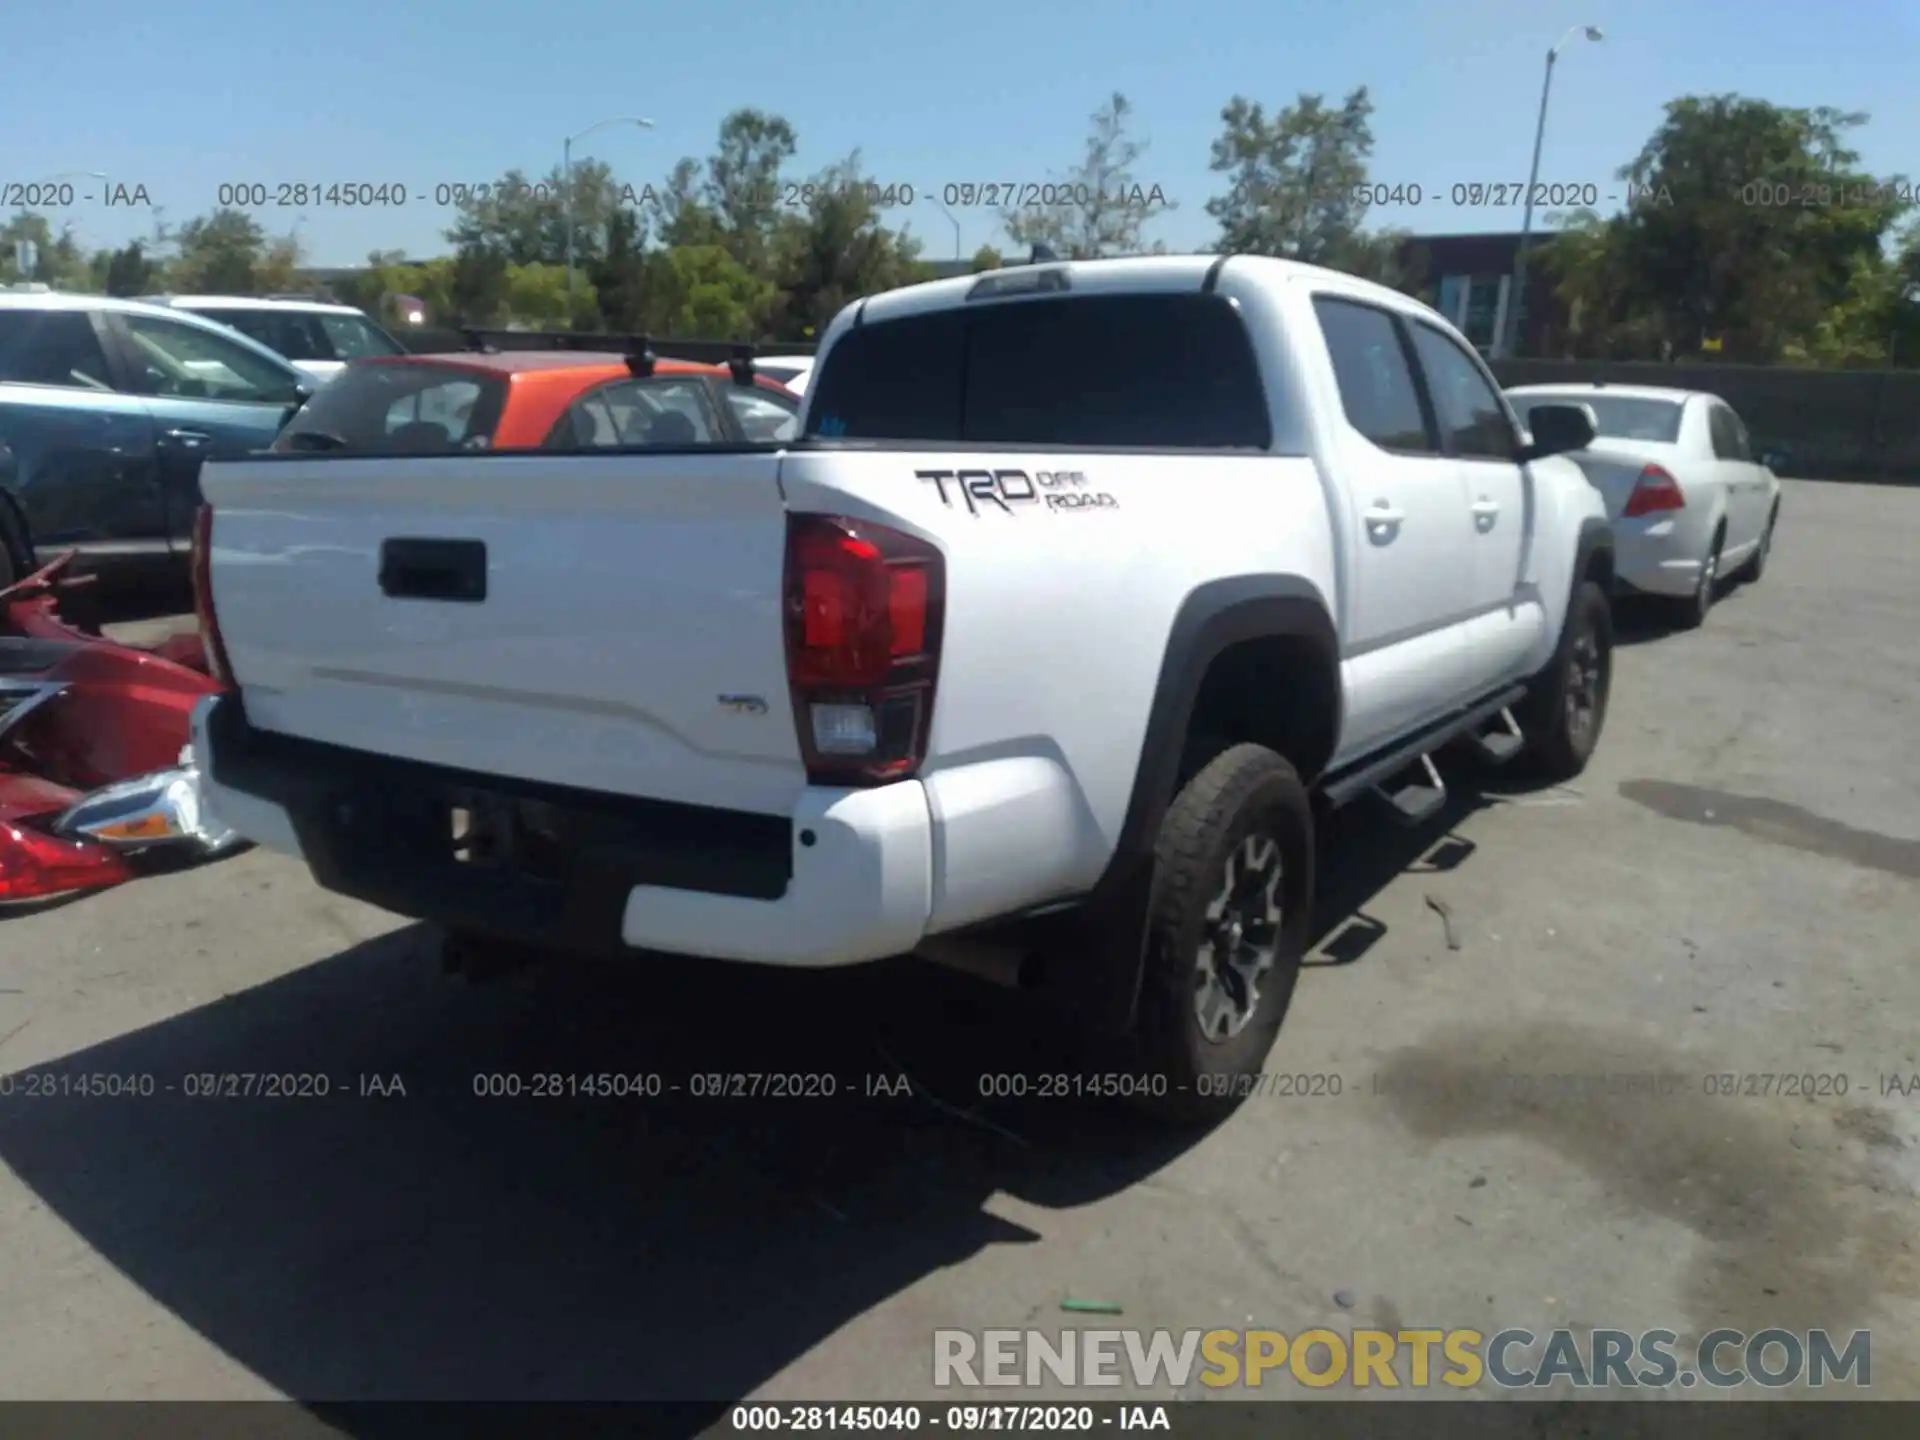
1556	429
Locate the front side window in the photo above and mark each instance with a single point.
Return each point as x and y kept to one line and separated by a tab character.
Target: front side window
1465	402
660	412
376	409
1156	372
173	358
51	347
1375	379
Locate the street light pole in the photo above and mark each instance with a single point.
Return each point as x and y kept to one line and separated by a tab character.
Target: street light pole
1506	342
954	220
566	178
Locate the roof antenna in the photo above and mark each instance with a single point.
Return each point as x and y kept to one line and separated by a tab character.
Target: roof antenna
640	356
741	365
1042	254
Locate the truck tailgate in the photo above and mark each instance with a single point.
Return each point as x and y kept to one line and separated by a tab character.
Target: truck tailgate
610	623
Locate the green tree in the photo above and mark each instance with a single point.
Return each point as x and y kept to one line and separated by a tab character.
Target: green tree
1108	209
1751	223
835	251
986	258
524	219
620	275
129	271
479	285
743	187
681	215
536	296
702	290
218	254
58	260
1296	181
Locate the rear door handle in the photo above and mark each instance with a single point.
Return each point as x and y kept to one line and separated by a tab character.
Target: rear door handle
1384	514
188	439
1485	512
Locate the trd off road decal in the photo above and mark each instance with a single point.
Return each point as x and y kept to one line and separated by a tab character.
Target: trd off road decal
1051	489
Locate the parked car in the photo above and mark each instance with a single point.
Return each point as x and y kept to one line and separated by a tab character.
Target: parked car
1085	581
317	337
792	371
517	400
1691	504
107	410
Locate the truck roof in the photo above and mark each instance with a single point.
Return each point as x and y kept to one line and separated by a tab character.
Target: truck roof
1135	273
252	302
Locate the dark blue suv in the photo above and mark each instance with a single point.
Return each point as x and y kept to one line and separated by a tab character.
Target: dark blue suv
107	410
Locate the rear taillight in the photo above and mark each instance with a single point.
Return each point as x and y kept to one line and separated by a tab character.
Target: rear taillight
216	648
36	866
1655	490
863	614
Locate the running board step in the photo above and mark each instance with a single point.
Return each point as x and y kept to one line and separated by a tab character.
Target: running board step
1497	747
1415	803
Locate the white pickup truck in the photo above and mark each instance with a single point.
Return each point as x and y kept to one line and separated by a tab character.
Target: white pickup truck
1085	586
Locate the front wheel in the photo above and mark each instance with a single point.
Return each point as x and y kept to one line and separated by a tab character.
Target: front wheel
1566	709
1229	905
1757	565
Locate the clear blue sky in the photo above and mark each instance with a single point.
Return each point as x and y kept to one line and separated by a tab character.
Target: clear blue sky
181	98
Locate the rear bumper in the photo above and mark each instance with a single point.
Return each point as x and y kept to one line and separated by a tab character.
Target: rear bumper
847	877
1660	554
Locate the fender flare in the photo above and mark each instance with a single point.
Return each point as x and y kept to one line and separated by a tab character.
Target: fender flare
1596	536
1098	976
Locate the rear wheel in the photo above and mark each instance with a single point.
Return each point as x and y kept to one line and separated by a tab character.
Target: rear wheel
1229	905
1691	613
1566	709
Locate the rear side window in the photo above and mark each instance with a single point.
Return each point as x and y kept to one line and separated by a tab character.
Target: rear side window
1370	366
1159	372
51	347
288	333
399	410
657	413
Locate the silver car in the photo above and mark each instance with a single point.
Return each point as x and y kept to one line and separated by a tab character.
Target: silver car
1691	504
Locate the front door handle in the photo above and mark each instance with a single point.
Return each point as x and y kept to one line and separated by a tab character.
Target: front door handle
187	439
1485	512
1384	514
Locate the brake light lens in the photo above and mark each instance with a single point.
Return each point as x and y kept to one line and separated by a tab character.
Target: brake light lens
216	648
864	606
1655	491
36	866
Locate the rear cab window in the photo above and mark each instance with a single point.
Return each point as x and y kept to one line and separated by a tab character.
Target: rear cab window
1148	371
408	409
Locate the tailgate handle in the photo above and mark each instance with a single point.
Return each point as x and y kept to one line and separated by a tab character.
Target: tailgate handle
434	569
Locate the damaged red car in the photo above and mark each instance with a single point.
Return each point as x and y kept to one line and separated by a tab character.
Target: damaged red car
95	770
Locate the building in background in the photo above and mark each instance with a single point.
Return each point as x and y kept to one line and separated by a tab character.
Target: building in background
1469	279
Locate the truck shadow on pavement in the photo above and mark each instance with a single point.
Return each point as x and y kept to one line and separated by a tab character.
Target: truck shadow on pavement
408	1236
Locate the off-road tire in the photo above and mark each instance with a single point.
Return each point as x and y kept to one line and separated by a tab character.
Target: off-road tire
1756	565
1245	791
1691	613
1557	747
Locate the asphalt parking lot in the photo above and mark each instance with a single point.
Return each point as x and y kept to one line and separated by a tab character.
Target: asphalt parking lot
1733	889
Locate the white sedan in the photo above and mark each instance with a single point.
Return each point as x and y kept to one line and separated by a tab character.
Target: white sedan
1691	503
792	371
